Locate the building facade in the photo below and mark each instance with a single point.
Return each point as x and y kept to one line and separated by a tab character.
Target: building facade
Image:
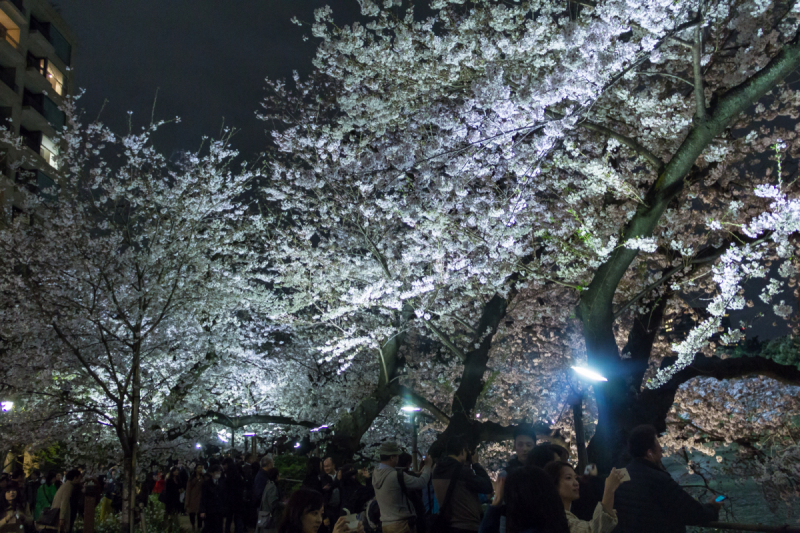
36	55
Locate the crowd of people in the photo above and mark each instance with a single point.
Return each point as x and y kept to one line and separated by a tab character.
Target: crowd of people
538	492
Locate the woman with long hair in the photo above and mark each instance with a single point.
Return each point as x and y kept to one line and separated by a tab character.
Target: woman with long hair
565	479
312	480
45	494
532	504
14	513
194	491
171	496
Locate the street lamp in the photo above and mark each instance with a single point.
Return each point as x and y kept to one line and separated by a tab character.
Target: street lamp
412	411
6	406
577	413
588	373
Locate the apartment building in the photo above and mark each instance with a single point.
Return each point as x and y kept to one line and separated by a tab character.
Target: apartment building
36	50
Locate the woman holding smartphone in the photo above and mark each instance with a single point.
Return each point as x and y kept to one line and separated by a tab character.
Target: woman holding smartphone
566	481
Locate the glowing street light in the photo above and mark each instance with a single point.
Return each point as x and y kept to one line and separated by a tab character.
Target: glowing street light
198	446
297	445
6	406
249	434
588	373
410	409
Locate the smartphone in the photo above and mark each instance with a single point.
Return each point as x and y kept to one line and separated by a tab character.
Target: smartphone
720	498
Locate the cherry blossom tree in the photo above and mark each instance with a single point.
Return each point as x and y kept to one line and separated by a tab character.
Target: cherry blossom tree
117	297
574	166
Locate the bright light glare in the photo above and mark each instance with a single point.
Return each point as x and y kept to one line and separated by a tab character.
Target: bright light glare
6	406
410	409
198	446
297	445
249	434
589	374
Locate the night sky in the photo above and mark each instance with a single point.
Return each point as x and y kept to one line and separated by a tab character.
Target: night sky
207	58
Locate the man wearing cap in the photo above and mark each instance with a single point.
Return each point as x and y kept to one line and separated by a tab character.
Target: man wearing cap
397	511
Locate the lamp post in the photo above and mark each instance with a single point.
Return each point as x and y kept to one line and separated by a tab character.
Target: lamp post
412	412
586	374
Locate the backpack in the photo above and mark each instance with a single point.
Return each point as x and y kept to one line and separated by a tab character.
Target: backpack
371	517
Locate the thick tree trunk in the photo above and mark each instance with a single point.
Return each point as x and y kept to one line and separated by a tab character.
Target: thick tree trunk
128	522
348	430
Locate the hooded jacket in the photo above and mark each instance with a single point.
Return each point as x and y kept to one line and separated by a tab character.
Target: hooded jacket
654	502
393	504
465	507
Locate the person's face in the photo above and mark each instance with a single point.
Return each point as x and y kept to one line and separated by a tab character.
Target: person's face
58	477
312	520
655	453
11	494
198	469
329	466
568	487
523	444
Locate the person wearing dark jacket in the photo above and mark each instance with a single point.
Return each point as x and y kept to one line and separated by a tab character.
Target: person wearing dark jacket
235	488
354	495
261	480
171	497
214	502
312	480
652	501
524	441
462	514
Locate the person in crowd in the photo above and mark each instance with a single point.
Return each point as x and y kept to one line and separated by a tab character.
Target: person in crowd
32	487
194	492
63	500
313	480
397	511
652	501
76	500
331	491
541	455
235	488
354	495
143	498
59	480
160	483
214	501
565	479
15	514
303	514
45	494
18	477
531	504
270	502
460	508
524	442
261	479
171	496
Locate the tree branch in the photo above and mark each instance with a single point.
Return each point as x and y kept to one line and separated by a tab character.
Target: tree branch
596	302
627	141
446	340
699	87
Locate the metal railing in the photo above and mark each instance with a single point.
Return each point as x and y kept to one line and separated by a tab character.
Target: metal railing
731	526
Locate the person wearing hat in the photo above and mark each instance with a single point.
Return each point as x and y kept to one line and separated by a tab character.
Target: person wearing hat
397	511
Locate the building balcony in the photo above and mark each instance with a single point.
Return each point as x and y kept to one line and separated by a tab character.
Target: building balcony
41	113
42	76
9	48
39	39
14	9
9	92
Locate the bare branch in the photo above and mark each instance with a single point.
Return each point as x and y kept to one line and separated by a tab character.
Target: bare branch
445	340
699	86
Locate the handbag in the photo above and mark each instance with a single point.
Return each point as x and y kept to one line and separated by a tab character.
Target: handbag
50	518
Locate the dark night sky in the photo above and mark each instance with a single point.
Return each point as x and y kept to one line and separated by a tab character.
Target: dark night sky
208	59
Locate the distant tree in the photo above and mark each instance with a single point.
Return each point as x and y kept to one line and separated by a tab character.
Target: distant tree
116	295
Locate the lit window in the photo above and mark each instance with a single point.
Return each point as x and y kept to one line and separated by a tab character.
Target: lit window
49	151
56	78
8	30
